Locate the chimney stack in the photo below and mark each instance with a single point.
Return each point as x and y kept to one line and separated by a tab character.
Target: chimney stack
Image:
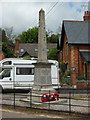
86	16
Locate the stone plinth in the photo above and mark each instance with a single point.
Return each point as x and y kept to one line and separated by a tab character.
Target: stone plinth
42	76
42	81
37	94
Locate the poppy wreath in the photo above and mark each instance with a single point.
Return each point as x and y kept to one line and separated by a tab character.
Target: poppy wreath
45	98
56	95
52	97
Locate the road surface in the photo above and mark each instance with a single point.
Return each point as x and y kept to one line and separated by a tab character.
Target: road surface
9	114
23	115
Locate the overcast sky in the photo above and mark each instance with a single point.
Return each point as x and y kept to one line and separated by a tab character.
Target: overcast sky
24	14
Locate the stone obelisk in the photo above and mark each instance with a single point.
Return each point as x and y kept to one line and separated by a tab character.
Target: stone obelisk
42	75
42	46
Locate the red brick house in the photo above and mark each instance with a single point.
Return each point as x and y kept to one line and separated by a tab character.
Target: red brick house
75	48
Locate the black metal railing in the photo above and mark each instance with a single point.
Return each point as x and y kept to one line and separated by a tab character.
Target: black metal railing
68	100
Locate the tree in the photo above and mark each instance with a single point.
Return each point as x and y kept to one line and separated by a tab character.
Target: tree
8	51
10	34
3	37
6	42
53	54
54	38
29	36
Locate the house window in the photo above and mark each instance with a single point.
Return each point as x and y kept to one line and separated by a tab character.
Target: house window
36	50
67	67
22	50
24	71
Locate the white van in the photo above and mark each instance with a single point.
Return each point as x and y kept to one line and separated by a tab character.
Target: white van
19	73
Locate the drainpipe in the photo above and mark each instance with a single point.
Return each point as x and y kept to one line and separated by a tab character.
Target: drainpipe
78	62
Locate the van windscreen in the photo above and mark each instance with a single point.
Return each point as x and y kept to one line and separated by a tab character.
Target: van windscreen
6	73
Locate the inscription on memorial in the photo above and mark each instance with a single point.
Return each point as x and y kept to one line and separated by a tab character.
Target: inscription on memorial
42	76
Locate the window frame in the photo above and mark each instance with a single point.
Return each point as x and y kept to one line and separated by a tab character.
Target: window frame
24	72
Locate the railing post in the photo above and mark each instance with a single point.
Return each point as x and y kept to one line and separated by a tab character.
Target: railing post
30	98
69	102
88	95
49	101
14	98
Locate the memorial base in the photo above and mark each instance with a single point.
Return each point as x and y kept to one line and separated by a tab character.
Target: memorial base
43	93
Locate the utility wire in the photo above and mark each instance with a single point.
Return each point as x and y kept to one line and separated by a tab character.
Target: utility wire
55	10
51	4
57	7
51	8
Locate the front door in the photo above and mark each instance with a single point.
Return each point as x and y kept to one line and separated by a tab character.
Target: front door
6	79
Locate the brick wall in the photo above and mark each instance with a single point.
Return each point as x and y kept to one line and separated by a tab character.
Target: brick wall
74	63
74	59
64	50
83	84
